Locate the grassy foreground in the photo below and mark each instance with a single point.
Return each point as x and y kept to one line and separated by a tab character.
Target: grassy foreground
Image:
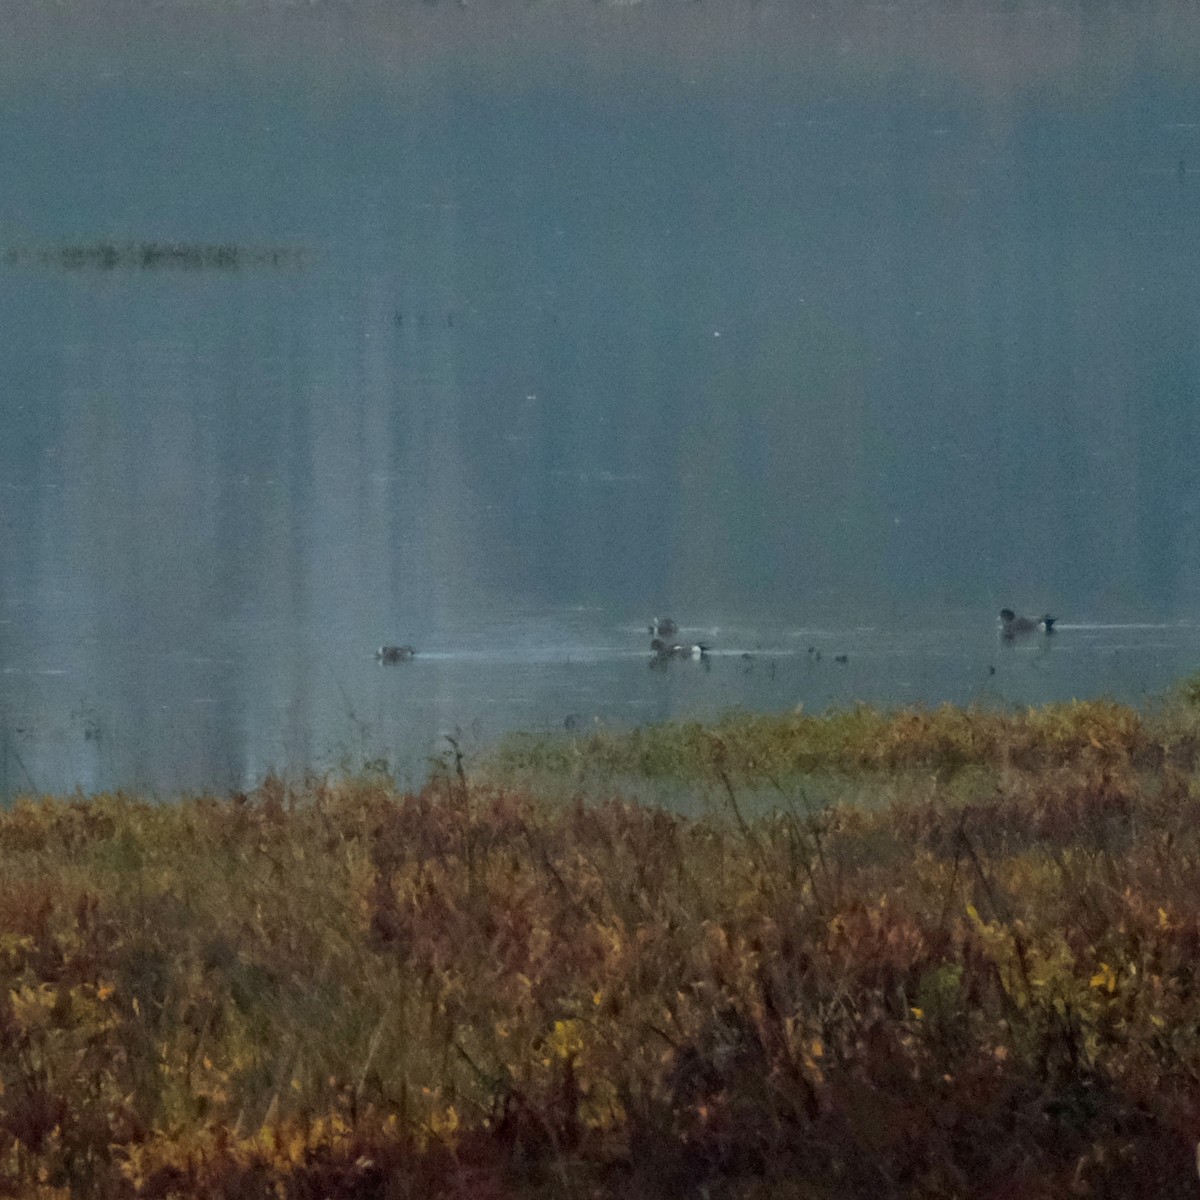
987	988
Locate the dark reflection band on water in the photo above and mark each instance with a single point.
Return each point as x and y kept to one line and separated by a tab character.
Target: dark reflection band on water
860	319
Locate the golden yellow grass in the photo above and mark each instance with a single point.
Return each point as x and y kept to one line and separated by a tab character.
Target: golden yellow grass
990	988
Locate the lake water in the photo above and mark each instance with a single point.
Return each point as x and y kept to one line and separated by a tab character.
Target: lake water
498	328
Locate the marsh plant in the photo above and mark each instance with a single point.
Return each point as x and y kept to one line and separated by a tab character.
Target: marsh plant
863	740
988	989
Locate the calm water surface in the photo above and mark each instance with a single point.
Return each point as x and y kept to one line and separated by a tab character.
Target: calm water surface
829	327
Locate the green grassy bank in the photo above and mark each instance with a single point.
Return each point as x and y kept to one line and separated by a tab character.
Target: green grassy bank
984	985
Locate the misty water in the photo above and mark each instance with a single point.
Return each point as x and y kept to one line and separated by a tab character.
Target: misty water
500	328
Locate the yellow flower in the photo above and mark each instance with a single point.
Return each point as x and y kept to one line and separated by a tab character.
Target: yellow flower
566	1041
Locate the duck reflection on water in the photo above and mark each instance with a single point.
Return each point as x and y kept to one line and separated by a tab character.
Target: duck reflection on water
663	652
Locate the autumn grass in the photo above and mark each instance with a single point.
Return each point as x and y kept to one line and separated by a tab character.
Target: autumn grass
986	986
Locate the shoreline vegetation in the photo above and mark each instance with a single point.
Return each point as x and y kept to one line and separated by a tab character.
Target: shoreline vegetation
149	255
972	970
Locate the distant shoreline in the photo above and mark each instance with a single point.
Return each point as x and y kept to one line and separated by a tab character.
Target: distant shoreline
425	44
150	255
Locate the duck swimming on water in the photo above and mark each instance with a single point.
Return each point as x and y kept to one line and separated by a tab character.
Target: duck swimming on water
663	627
394	654
1011	624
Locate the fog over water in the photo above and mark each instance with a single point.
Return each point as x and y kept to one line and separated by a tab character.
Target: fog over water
498	328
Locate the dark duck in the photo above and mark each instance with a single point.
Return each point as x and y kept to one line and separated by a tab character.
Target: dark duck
1011	625
394	654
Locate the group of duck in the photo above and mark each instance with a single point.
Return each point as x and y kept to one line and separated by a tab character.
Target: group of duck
663	629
